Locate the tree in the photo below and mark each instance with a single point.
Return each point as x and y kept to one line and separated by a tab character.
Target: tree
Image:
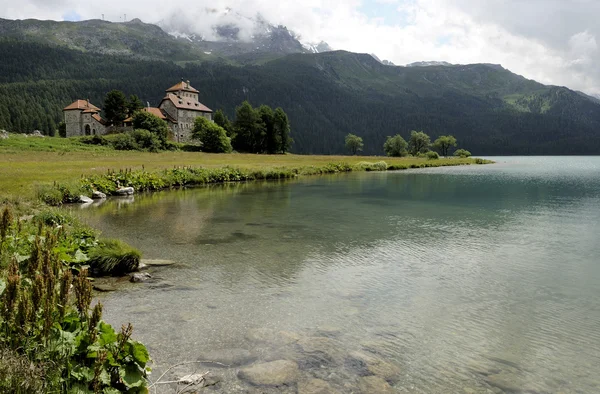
62	129
444	143
213	137
221	119
282	129
146	121
271	141
134	104
249	129
354	143
419	142
395	146
462	153
115	107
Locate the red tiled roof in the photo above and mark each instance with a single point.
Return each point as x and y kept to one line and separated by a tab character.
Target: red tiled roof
98	118
185	86
186	103
82	104
154	111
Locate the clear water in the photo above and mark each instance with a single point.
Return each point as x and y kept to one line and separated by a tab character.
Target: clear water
467	279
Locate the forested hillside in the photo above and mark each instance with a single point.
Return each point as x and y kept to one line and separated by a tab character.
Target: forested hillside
489	109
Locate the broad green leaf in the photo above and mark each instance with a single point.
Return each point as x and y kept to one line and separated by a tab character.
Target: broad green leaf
139	353
80	257
20	258
79	389
107	334
131	376
105	377
110	390
82	373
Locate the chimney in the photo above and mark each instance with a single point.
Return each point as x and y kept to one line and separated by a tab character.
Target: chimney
187	84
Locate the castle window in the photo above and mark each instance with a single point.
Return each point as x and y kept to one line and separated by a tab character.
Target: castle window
94	131
87	129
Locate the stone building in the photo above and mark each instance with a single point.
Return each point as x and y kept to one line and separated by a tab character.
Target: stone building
83	118
179	108
182	106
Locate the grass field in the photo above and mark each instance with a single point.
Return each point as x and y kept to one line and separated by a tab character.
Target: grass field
28	162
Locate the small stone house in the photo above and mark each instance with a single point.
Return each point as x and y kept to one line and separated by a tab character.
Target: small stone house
83	118
179	108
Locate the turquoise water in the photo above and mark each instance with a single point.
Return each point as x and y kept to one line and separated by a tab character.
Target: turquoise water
478	279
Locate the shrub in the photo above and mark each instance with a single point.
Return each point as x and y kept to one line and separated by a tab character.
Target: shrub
462	153
431	155
479	161
124	141
60	193
146	121
147	140
212	136
113	257
94	140
368	166
53	218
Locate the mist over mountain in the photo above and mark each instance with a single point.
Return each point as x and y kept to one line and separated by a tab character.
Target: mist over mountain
327	94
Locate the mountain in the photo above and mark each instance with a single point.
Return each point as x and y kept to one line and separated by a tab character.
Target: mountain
134	38
428	64
327	95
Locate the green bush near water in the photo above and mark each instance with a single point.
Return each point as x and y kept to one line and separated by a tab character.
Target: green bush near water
431	155
113	257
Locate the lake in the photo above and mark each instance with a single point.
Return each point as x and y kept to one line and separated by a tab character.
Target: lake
473	279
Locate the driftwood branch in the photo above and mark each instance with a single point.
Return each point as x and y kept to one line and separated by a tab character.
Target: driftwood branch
158	381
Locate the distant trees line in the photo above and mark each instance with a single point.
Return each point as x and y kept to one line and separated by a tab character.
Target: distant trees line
254	130
419	143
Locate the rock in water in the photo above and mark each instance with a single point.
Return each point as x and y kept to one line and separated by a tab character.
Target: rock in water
139	277
274	373
316	386
374	384
157	263
96	195
85	199
124	191
230	357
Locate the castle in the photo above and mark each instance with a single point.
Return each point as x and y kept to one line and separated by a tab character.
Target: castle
179	108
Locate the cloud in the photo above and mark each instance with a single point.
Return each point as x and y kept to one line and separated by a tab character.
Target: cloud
552	41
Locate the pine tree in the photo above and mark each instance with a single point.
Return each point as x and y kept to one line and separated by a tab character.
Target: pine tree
115	107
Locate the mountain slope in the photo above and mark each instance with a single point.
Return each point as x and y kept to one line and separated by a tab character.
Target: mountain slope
327	95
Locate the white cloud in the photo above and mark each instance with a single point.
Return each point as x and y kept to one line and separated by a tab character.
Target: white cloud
552	41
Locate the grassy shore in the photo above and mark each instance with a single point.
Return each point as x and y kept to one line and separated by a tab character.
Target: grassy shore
26	163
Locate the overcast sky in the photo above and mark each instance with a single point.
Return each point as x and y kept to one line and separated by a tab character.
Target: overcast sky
552	41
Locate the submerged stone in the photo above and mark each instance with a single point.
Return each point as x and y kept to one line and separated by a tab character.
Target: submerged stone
316	386
157	263
140	277
374	365
230	357
104	288
274	373
374	384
